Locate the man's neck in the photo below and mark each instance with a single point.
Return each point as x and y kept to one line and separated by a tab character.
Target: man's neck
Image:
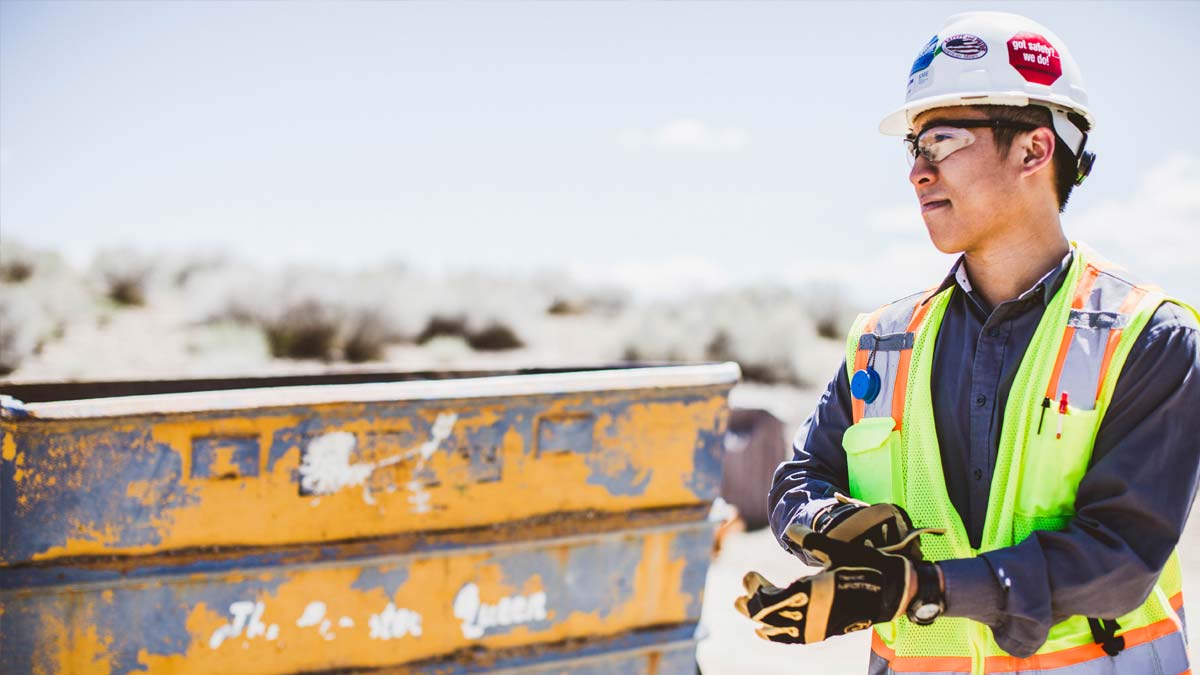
1005	268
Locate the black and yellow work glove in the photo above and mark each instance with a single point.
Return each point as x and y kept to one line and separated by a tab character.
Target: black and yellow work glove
862	586
881	526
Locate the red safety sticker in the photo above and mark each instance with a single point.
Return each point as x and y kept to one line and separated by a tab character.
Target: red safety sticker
1035	58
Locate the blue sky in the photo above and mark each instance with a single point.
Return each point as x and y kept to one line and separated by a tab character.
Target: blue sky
671	145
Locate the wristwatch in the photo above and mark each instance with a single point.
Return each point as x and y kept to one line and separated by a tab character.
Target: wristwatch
928	604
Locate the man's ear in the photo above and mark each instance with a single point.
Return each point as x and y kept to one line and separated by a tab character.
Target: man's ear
1035	149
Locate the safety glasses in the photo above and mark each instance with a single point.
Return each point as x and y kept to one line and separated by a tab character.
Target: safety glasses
946	137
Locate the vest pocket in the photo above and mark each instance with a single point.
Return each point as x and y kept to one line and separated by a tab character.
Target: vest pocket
1051	468
872	457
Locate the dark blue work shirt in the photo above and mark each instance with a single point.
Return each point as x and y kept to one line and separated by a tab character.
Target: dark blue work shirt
1130	506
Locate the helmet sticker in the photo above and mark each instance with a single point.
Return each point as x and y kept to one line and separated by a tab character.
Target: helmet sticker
965	46
930	50
1035	58
918	81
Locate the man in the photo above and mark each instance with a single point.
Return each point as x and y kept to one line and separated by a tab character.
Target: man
998	475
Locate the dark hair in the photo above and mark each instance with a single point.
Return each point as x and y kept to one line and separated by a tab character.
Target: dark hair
1065	164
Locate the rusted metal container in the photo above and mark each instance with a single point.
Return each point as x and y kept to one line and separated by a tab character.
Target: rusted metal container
541	521
754	448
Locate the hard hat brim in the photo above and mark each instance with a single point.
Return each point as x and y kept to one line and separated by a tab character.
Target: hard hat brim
899	122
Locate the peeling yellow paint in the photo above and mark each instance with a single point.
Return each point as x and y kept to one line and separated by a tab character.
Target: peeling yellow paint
429	589
73	643
8	448
641	457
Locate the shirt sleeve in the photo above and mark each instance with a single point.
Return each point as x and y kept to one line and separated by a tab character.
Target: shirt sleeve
805	485
1130	507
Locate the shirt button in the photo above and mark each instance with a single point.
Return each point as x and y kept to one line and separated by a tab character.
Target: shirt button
995	332
980	401
978	474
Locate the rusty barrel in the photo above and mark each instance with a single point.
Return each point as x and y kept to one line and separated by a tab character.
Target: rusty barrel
549	521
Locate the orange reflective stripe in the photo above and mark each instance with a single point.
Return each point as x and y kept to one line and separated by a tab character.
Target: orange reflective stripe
901	390
1009	664
1080	654
1052	388
1082	291
1114	335
857	405
918	664
1177	601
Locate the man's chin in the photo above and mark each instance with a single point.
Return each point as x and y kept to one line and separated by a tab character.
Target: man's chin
942	236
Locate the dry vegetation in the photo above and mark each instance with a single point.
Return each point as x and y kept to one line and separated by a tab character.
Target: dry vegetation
228	314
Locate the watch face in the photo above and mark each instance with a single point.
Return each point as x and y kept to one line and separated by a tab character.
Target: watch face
927	612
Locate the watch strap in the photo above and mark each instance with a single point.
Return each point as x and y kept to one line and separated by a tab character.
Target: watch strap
929	601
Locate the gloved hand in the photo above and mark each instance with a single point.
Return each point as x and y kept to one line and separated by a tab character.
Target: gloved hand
886	527
862	586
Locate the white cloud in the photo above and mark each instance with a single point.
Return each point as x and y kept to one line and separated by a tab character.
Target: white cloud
1155	232
687	133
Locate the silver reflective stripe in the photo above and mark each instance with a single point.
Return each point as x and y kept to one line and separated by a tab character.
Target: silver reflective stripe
878	665
887	364
1165	656
890	338
1080	376
1108	293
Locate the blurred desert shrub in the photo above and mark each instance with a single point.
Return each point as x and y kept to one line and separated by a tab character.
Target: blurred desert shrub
41	298
319	313
494	337
367	338
124	275
305	330
17	263
442	326
830	309
769	331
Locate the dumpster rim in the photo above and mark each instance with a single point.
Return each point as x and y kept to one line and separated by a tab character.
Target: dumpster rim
652	377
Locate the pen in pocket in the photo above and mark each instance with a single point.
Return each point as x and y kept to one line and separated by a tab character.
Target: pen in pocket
1045	406
1062	412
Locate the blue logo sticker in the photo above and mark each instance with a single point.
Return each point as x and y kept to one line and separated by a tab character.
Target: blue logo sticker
925	58
965	46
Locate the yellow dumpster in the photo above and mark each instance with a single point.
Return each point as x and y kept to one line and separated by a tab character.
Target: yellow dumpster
547	521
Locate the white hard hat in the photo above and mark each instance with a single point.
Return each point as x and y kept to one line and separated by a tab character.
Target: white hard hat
995	58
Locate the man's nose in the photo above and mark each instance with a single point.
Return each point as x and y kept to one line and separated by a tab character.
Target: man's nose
922	172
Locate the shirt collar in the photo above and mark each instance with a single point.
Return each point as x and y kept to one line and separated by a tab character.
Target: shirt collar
1048	285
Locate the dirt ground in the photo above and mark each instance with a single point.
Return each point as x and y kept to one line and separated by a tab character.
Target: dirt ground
729	645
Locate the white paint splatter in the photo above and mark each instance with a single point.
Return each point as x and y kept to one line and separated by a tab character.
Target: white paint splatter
326	466
478	616
394	623
312	615
419	498
246	616
443	426
346	622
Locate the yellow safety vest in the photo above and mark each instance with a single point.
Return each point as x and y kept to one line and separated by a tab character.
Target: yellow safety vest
892	454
